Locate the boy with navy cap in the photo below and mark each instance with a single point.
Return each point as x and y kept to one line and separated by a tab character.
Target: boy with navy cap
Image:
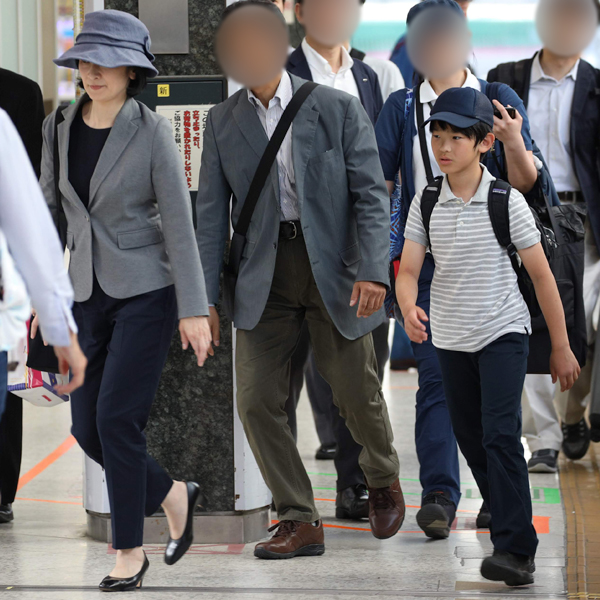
480	323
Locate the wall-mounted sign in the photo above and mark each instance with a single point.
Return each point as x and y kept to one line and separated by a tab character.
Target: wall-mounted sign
189	123
168	23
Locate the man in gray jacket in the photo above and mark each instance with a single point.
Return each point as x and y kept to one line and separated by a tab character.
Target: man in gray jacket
316	251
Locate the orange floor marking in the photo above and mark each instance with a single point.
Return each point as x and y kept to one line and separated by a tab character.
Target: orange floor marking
44	464
48	501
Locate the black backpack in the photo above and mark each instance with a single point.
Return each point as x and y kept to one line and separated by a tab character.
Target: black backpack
562	237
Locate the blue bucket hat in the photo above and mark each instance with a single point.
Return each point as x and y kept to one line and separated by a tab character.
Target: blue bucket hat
426	4
111	38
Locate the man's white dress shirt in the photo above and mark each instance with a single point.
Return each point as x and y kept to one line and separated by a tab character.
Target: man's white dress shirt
549	110
322	72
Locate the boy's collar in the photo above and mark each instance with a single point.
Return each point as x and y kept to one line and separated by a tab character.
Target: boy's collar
428	93
481	195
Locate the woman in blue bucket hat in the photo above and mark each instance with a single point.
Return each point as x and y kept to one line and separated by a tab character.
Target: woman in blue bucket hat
115	182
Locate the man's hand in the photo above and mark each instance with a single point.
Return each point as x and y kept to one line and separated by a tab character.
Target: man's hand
371	296
35	324
414	320
564	367
196	331
506	129
71	357
215	328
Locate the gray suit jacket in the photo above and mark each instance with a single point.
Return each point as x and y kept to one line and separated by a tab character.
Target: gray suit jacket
343	199
137	233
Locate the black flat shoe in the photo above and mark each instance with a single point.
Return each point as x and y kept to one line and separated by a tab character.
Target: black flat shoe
6	513
177	548
114	584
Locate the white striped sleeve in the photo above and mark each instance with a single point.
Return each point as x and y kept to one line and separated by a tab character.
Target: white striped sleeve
523	231
415	230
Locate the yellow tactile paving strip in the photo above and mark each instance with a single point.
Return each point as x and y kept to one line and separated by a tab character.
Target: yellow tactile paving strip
580	487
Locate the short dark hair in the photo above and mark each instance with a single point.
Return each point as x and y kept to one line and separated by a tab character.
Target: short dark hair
136	86
268	4
477	132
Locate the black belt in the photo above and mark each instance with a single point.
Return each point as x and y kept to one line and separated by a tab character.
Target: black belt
290	230
571	197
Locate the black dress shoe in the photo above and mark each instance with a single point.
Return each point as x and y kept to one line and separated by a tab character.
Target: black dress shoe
114	584
576	440
352	503
177	548
326	452
484	518
513	569
436	515
6	513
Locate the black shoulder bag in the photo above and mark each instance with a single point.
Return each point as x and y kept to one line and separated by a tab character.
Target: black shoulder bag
41	357
238	240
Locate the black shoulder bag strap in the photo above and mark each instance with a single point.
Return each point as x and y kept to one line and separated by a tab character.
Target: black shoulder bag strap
430	197
238	240
423	135
60	220
498	200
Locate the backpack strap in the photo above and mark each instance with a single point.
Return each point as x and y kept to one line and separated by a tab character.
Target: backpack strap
498	202
430	197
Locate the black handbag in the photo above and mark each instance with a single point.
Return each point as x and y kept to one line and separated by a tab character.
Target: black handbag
41	357
238	240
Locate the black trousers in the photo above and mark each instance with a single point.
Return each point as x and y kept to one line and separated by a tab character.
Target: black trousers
126	343
331	427
483	392
11	447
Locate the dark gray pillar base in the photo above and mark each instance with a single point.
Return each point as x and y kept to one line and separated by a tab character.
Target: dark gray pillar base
209	528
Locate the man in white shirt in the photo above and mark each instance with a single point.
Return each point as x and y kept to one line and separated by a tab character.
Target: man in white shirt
560	91
390	78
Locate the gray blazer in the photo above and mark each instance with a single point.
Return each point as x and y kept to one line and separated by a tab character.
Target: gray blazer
343	199
137	234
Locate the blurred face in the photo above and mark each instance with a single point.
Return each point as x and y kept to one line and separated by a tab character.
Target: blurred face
455	152
104	84
566	27
279	4
438	42
329	22
252	46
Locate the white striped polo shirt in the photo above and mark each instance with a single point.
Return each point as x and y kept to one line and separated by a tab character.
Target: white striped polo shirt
475	297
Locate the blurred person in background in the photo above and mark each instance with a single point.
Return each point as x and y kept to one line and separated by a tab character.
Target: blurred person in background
316	253
400	53
33	244
439	46
323	57
561	93
136	272
22	100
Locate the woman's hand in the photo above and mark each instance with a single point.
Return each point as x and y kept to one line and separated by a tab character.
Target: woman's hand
564	367
196	331
70	357
507	129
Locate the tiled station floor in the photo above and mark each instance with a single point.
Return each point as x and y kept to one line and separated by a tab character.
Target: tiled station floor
45	553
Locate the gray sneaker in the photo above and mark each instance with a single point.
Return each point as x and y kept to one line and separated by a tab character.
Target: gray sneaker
543	461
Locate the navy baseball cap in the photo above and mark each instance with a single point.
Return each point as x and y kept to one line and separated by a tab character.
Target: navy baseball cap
425	4
462	108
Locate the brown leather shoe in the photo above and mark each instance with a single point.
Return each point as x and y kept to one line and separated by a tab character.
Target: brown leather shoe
293	538
386	510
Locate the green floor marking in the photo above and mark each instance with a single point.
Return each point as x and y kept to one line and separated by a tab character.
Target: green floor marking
538	495
335	490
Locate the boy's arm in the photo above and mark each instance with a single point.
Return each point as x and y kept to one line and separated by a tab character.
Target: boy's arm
563	364
407	289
